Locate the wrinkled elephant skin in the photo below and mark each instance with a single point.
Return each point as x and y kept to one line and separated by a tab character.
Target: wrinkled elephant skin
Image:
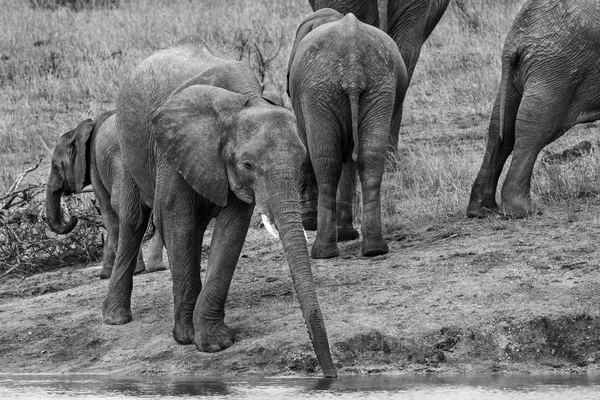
202	139
347	82
550	82
90	154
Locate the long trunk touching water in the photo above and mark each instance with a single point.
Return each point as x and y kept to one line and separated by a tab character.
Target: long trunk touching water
285	207
54	216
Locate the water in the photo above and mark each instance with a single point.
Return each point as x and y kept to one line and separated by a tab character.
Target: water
577	387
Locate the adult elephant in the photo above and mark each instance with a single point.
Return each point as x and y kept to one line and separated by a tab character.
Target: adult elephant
347	82
550	82
199	140
408	22
90	155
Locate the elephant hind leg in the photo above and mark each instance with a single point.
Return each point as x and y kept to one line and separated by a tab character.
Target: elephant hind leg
155	254
309	195
542	118
133	219
345	201
482	201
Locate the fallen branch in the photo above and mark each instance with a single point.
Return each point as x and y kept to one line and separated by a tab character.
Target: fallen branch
17	181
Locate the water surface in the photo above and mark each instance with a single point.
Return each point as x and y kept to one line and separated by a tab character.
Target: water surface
95	387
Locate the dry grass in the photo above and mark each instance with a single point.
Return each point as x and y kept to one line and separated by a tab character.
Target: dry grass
59	67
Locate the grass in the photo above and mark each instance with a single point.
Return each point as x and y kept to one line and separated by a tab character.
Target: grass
59	67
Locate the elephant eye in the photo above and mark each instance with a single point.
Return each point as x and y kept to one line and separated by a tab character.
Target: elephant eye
248	166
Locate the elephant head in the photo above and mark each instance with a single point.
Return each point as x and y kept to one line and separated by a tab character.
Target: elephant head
69	174
225	143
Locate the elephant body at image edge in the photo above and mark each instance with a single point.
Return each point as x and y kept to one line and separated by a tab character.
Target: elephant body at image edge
550	82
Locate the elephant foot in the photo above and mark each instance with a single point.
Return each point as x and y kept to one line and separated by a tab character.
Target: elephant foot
374	247
139	268
347	233
115	315
106	272
475	210
512	210
183	333
155	266
324	251
213	338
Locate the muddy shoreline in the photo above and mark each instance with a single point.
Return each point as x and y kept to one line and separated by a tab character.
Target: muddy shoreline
467	296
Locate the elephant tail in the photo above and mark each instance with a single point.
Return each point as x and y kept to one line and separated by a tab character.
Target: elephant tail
353	96
508	66
382	10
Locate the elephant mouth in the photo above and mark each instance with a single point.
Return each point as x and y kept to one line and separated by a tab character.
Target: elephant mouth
272	229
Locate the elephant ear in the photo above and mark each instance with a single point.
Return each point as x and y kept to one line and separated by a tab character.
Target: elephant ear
313	21
272	95
191	131
81	135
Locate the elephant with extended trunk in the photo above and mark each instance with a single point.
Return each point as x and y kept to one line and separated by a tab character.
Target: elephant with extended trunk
408	22
201	139
347	82
550	82
90	155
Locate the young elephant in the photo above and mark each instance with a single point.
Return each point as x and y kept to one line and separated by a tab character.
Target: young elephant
202	140
550	82
347	82
90	154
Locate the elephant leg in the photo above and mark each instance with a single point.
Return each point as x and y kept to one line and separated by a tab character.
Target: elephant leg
229	234
345	201
328	168
140	265
374	138
155	254
371	168
111	223
542	118
177	220
133	221
483	193
309	195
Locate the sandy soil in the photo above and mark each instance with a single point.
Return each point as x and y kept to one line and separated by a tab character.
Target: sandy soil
469	296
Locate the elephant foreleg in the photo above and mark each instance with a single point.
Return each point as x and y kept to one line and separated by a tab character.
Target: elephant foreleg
132	225
345	201
229	234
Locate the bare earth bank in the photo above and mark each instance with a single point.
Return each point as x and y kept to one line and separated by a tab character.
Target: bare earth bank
469	296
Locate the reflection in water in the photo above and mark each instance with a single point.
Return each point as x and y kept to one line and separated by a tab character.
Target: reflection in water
349	387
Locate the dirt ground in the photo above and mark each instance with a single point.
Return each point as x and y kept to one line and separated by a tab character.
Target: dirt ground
469	296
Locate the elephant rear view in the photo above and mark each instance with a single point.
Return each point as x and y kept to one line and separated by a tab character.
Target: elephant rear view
347	82
550	82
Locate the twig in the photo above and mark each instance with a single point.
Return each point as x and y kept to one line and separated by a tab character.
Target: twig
9	271
17	181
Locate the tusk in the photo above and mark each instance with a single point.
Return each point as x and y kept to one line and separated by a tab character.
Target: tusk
268	226
305	235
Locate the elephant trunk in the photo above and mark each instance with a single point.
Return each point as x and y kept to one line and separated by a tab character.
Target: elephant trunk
54	216
284	205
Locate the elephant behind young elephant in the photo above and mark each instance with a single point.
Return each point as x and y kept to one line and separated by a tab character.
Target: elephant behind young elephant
202	140
347	82
90	154
550	82
408	22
